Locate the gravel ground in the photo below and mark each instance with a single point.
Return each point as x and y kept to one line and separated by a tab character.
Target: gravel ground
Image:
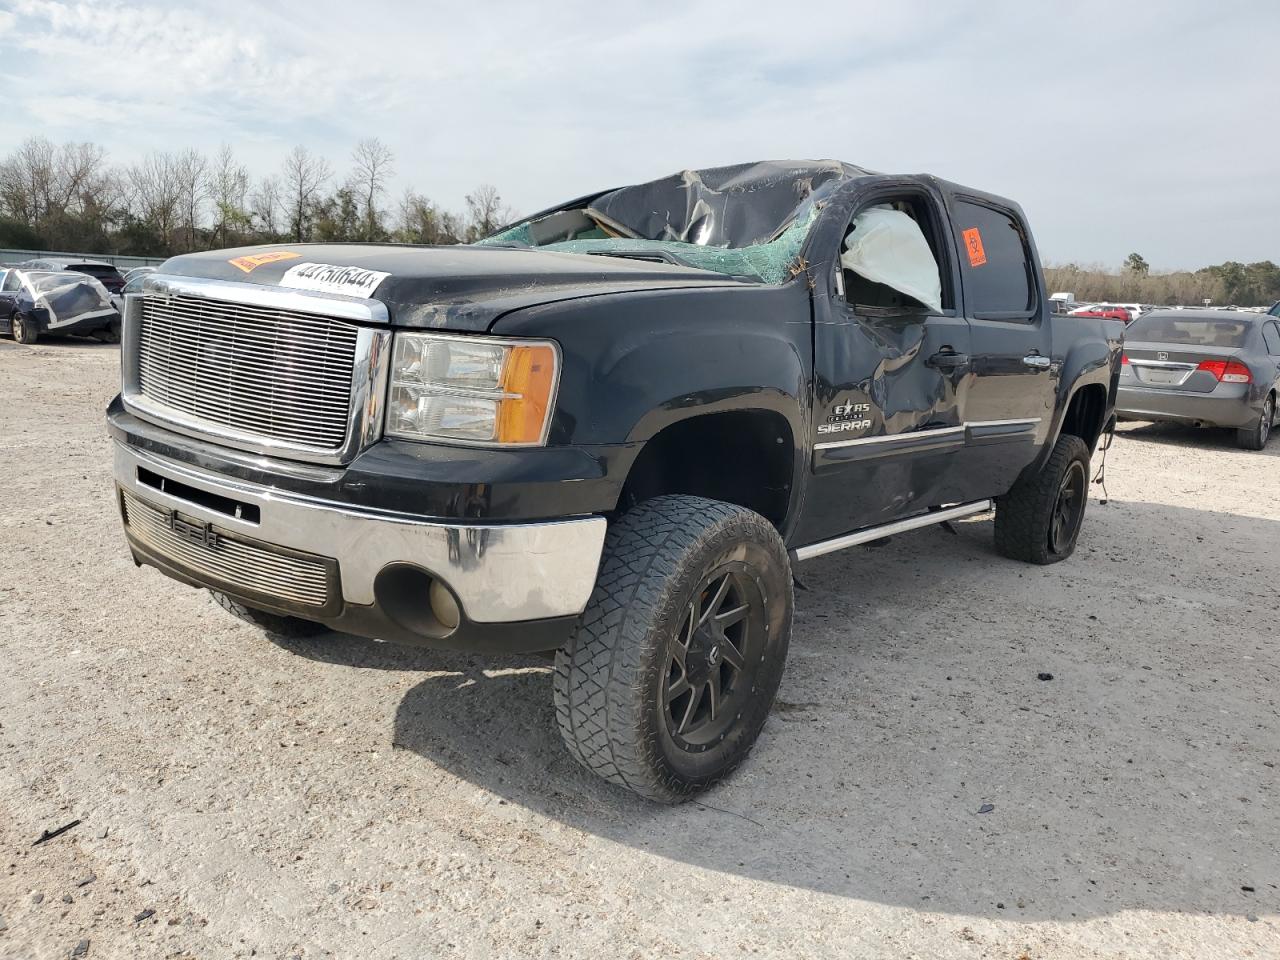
239	796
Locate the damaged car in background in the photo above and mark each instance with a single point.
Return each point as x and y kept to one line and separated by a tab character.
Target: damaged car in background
610	432
34	303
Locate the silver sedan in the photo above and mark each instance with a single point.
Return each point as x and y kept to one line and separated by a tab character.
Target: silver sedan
1207	368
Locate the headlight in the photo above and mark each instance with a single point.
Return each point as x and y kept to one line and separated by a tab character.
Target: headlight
472	389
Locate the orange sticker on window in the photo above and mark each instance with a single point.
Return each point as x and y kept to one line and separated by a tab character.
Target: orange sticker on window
247	264
973	244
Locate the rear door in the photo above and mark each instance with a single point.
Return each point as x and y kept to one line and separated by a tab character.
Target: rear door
1013	374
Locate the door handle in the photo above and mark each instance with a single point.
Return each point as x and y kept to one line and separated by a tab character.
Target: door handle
1037	362
948	359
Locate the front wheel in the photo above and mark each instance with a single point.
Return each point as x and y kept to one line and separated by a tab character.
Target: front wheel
668	679
1039	520
24	331
1256	436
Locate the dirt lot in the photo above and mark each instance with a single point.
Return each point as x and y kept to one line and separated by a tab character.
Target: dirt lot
340	799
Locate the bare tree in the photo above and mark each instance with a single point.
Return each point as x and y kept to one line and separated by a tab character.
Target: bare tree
304	176
192	171
79	170
421	221
485	212
265	208
156	197
26	181
55	191
230	190
373	161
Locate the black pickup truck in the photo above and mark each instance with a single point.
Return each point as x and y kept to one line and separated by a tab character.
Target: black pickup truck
610	431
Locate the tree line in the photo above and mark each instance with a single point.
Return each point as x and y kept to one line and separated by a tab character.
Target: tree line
71	197
1230	283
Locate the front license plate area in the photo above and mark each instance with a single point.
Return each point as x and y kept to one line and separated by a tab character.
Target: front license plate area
195	531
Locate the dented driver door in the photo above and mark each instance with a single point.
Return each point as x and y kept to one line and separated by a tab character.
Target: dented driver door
888	415
888	419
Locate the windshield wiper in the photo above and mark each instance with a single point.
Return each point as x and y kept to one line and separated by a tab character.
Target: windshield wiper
666	256
656	256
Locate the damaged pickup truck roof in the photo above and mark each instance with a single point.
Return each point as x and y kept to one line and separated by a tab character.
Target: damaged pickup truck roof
749	220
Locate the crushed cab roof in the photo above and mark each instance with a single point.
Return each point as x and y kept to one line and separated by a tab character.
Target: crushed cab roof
735	206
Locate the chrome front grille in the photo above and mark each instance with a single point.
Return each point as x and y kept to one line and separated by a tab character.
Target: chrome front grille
238	564
262	371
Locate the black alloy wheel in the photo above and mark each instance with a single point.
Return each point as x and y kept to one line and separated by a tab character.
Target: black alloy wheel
1040	518
713	658
1068	511
668	678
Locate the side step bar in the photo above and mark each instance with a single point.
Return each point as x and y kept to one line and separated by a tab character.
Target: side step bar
889	529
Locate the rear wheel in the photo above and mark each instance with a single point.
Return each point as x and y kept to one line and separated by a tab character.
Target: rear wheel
24	331
1039	520
281	626
1256	436
670	675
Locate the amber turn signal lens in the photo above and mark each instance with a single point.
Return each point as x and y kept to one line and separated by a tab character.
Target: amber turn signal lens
528	379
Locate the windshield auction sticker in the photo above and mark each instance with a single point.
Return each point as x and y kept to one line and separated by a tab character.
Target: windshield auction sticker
330	278
247	264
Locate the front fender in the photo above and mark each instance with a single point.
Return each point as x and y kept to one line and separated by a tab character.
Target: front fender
636	363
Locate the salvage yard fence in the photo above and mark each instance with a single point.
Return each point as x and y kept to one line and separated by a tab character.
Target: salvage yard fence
120	262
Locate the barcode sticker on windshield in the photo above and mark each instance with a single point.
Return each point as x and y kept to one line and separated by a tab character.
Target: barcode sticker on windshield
973	244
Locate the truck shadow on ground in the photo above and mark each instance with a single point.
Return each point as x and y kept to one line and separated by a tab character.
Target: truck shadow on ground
1134	779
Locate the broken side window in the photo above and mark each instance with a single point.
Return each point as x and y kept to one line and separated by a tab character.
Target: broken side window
890	262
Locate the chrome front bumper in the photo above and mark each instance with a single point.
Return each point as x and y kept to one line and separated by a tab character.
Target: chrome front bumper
498	573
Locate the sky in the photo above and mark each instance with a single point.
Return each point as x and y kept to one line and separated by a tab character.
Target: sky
1125	126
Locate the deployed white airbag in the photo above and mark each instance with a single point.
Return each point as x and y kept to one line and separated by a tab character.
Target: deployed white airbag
887	246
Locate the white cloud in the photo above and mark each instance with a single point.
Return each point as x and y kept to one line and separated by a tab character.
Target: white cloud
1115	125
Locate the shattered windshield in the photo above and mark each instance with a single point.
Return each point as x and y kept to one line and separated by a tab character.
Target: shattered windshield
748	221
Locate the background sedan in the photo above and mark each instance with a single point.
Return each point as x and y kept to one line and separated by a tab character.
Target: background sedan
36	302
1205	368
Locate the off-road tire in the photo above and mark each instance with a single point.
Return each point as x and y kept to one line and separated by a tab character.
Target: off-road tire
274	623
610	677
24	330
1024	515
1256	436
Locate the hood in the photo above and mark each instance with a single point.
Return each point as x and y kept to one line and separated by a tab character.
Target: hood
451	288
